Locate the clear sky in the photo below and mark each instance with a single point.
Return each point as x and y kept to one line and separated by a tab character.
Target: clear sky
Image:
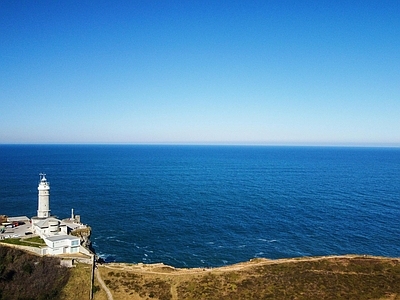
229	72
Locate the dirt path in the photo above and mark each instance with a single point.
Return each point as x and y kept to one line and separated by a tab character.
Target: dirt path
174	292
162	269
103	285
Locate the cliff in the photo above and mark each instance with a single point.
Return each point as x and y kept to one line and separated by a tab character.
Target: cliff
331	277
84	236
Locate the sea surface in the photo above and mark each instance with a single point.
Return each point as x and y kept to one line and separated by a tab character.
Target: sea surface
204	206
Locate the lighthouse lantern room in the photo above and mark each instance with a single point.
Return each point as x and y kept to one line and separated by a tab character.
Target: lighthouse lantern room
44	197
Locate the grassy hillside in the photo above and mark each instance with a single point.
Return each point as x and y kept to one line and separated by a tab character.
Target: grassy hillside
348	277
27	276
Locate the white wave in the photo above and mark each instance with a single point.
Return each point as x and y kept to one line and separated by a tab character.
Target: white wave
122	242
105	255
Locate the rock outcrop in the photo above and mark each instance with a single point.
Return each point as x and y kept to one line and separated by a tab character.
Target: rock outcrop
84	236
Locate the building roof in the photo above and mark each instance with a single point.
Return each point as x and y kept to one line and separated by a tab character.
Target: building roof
71	223
18	219
61	237
45	222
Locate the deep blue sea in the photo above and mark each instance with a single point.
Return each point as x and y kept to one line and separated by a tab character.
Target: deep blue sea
201	206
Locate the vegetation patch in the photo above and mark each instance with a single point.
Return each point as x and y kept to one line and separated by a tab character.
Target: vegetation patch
31	242
344	278
35	240
78	285
28	276
129	283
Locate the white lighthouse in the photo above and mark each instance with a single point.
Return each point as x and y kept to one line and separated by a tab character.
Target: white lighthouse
44	197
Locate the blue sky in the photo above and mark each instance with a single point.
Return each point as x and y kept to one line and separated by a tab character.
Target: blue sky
208	72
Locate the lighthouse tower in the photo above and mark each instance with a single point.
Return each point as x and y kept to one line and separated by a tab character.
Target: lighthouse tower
44	197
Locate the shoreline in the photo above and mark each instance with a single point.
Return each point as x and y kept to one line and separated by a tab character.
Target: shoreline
309	277
321	277
161	268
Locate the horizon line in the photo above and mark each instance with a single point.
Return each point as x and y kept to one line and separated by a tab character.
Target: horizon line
317	145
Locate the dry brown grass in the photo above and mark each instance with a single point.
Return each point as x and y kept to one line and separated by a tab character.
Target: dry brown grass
344	277
78	286
347	277
99	294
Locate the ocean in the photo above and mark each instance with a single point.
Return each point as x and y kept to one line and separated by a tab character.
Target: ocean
208	206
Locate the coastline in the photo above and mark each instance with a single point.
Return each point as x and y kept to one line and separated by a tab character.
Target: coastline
348	276
324	277
167	269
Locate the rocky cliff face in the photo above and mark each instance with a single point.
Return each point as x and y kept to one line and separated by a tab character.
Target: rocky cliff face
84	235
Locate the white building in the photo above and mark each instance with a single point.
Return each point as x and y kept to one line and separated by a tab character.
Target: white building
60	244
49	226
44	197
53	231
